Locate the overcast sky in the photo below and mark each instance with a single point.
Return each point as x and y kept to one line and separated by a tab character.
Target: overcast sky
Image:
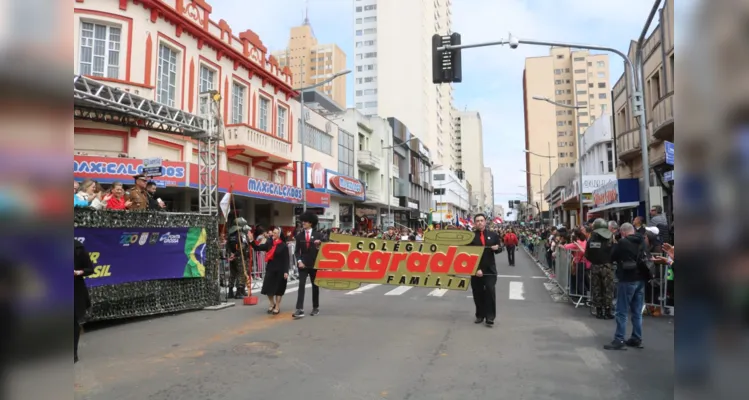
492	76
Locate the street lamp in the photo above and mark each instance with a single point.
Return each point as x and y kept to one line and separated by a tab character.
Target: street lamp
301	129
579	138
549	157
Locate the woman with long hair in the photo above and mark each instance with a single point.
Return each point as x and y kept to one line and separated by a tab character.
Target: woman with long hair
276	269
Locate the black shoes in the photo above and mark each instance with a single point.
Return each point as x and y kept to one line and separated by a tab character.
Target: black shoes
607	314
632	342
314	312
616	345
240	293
298	314
489	323
478	320
599	313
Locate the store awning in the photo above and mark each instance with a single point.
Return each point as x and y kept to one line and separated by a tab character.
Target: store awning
631	204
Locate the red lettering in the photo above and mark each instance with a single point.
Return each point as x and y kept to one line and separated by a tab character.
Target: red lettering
441	262
379	260
333	255
357	260
397	258
417	262
465	264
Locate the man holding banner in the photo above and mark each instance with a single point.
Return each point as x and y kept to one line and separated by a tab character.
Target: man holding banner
484	283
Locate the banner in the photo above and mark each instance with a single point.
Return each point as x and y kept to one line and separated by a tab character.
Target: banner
108	170
122	255
442	261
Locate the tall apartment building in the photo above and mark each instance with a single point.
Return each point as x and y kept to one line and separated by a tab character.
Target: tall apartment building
392	72
311	62
571	77
488	190
468	132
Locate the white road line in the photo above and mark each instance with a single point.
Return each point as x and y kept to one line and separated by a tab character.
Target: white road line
437	292
509	276
364	288
398	291
296	288
516	291
539	277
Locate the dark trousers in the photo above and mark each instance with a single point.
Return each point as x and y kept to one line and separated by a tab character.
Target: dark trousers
511	255
76	336
485	296
303	273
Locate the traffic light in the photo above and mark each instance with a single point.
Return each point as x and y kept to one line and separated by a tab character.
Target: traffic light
446	64
510	203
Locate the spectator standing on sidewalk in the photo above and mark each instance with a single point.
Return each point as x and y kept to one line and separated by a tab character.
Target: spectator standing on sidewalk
629	254
511	242
598	251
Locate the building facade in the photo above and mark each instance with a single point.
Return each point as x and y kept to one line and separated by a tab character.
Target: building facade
488	191
451	197
413	185
311	62
468	137
598	148
174	53
392	73
658	77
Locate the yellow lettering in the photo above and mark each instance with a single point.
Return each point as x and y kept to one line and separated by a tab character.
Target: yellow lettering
94	257
101	271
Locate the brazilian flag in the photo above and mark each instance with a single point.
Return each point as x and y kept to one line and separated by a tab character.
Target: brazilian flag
195	248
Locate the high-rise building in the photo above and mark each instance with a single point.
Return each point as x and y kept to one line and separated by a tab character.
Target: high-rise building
468	133
311	62
392	72
574	78
488	190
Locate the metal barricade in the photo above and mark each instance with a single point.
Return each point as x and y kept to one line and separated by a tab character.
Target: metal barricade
294	270
258	268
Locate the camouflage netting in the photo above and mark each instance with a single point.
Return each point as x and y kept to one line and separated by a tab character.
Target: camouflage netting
138	299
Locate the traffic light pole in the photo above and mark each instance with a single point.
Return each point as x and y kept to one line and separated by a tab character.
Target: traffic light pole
637	95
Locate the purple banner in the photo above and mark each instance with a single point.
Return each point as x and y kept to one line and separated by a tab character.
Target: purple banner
122	255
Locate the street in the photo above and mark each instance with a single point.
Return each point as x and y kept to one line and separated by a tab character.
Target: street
380	342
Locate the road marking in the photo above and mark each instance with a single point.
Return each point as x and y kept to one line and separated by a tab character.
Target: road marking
364	288
509	276
398	291
539	277
437	292
295	288
516	291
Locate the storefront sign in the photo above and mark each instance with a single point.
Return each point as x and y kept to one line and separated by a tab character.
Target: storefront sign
607	194
593	182
443	260
413	205
122	255
274	191
316	177
318	199
347	186
670	155
108	170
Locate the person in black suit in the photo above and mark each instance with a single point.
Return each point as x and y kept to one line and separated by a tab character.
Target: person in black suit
307	245
81	301
484	283
276	269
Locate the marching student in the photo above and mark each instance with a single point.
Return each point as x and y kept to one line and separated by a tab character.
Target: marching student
307	245
484	283
511	241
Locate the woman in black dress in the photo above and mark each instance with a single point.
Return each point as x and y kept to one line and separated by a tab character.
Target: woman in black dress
82	267
276	269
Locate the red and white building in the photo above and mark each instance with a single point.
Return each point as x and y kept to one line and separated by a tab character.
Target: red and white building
171	51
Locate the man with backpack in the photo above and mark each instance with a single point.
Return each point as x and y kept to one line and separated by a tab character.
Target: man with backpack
631	257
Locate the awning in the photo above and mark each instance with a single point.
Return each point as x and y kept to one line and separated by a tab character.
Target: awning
631	204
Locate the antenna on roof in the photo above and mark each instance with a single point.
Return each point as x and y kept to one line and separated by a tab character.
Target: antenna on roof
306	12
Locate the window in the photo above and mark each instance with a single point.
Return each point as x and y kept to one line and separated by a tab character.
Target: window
358	9
370	91
281	123
100	50
263	107
370	104
206	79
359	105
558	71
603	108
583	113
370	8
601	64
561	133
370	55
359	80
582	103
610	157
359	56
581	92
601	95
602	75
166	85
560	56
559	91
562	112
358	20
370	19
358	32
345	153
560	123
370	79
364	176
602	85
580	81
590	63
590	85
362	142
439	177
316	139
579	58
370	67
572	165
558	82
583	124
359	68
359	44
567	70
579	71
237	103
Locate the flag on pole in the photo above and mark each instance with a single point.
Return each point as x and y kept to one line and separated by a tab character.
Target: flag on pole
224	204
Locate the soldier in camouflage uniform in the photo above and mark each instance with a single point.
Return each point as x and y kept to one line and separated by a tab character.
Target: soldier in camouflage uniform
598	252
237	249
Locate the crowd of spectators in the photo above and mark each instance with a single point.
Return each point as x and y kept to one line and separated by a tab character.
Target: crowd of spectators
141	196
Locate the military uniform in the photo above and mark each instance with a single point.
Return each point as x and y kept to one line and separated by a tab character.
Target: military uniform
598	252
238	246
138	198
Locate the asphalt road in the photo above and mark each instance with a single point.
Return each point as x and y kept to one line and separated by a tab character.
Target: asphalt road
380	343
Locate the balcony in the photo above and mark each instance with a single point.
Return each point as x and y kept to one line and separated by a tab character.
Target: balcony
628	144
375	196
663	118
256	144
395	171
368	161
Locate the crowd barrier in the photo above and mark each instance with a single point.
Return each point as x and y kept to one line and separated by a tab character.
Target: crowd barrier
150	294
574	280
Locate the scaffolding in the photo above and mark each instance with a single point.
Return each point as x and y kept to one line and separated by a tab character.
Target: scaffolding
95	101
